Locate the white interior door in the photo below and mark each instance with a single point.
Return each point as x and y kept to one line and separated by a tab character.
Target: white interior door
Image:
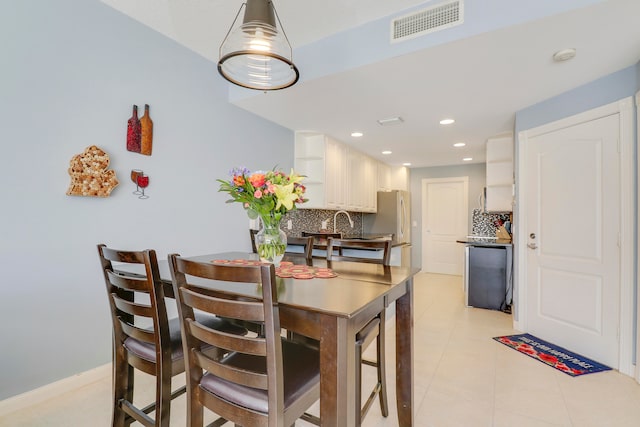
572	234
444	219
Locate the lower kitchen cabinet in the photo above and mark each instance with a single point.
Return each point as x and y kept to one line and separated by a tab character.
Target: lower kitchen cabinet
488	276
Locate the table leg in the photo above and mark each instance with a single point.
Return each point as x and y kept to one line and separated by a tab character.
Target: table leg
404	356
337	373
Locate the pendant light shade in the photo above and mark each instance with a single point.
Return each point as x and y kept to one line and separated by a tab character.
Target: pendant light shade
257	54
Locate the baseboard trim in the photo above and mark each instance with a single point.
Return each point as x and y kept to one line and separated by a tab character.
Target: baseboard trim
55	389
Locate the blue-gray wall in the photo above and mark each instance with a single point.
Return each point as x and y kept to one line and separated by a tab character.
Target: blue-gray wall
605	90
477	178
70	72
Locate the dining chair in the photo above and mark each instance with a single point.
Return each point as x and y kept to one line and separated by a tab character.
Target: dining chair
251	380
306	243
372	245
323	236
374	329
144	338
252	235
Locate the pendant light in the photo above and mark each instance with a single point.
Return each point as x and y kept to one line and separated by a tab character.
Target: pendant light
257	54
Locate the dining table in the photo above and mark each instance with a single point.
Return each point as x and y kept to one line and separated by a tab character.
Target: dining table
332	310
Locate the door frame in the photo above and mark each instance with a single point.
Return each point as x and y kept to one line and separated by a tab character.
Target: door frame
637	283
626	238
425	183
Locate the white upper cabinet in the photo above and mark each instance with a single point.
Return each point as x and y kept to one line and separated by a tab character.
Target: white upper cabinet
499	195
384	177
362	171
337	177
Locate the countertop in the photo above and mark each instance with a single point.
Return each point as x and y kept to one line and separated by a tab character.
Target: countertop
484	241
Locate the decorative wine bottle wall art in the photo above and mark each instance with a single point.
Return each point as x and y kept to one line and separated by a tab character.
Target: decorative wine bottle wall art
146	137
140	132
134	132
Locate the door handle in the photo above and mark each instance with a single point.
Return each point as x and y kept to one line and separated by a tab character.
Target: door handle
532	246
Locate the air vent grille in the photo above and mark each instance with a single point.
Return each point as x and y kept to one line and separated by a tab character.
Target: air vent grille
435	18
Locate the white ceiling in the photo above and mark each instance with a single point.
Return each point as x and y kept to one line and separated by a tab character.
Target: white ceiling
481	80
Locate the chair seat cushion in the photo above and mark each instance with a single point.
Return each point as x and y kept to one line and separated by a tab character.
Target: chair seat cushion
147	350
301	365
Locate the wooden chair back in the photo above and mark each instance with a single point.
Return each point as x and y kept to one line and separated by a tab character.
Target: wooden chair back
252	235
306	242
238	363
318	234
139	317
334	245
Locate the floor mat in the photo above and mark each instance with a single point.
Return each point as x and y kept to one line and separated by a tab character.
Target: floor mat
552	355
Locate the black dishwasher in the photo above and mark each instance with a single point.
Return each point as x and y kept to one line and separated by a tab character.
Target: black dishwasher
488	277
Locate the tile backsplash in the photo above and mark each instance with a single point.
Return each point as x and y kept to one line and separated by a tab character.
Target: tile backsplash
483	223
311	220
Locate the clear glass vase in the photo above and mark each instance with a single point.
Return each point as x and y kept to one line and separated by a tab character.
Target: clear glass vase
271	241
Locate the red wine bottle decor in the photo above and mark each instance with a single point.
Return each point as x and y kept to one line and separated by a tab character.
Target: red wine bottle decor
134	132
146	124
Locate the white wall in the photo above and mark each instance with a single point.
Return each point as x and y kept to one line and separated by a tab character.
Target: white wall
70	72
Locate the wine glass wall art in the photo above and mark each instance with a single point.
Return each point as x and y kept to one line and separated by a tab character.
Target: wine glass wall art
142	181
134	179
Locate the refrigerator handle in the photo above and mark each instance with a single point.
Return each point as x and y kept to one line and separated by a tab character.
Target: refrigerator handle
404	217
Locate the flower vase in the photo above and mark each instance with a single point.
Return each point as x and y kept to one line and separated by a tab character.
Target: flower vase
271	242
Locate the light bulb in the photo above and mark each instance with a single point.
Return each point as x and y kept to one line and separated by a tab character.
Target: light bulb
259	42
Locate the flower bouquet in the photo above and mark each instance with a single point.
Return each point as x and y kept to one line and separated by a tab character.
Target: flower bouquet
268	195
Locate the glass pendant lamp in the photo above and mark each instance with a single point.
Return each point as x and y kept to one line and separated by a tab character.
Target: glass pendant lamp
257	54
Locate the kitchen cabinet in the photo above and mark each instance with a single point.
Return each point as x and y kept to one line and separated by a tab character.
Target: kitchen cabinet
488	273
384	177
362	182
392	177
400	178
337	176
499	174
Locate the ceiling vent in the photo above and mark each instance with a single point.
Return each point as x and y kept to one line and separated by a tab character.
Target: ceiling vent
435	18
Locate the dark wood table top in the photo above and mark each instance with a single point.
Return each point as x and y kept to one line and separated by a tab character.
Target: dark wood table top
356	285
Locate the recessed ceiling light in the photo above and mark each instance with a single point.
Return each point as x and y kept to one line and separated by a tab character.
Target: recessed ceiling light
406	164
446	121
386	152
467	159
390	121
564	55
356	134
459	144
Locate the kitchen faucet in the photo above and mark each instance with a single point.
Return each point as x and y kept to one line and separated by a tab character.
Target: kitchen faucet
336	215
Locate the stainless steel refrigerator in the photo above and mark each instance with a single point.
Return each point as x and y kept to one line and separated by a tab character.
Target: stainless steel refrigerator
393	216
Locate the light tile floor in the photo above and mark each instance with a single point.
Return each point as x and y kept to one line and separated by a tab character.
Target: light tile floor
462	378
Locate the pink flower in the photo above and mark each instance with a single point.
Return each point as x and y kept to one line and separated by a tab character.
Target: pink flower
270	188
257	194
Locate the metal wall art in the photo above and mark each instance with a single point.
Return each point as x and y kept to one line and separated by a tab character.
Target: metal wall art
141	181
140	132
90	175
